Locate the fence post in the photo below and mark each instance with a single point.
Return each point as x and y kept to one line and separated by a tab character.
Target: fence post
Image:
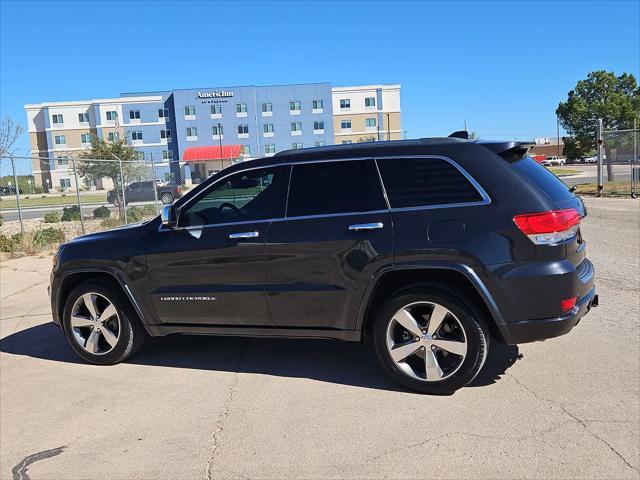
124	200
75	175
155	183
634	161
599	147
15	179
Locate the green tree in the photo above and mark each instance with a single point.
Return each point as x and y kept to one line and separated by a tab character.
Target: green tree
133	168
616	100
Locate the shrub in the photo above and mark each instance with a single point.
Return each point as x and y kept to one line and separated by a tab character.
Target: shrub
148	210
52	217
70	213
101	212
134	215
1	217
7	244
110	222
47	236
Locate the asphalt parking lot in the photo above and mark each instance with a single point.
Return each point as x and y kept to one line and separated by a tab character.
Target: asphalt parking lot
204	407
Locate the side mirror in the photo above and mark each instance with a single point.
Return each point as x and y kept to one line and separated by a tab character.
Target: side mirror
169	216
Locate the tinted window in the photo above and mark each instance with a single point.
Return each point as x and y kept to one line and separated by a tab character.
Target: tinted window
543	178
244	196
414	182
334	187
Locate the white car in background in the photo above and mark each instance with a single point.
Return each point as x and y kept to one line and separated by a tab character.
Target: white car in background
551	161
590	160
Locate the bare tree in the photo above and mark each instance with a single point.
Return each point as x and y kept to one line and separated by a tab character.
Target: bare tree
9	133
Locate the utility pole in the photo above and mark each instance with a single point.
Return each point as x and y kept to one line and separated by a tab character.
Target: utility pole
465	124
123	204
558	134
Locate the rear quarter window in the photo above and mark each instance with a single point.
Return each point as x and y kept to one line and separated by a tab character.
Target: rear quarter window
546	181
415	182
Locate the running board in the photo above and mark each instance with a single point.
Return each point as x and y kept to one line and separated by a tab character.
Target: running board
239	331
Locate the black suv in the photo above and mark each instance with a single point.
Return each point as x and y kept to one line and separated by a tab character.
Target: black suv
143	191
426	247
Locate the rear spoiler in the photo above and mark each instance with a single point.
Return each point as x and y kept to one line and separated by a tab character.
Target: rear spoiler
511	151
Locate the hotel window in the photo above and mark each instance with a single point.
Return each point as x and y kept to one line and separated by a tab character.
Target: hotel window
62	161
60	140
241	108
85	138
65	183
318	125
136	135
134	114
268	127
370	102
112	115
217	130
190	111
346	142
246	150
83	117
296	146
163	113
165	134
243	129
192	132
318	104
113	136
57	119
216	109
345	103
370	122
167	155
320	143
294	106
345	124
267	107
270	148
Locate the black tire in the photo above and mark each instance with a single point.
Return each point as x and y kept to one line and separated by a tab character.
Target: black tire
471	320
132	334
166	198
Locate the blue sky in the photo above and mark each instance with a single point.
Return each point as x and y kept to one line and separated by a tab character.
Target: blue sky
502	66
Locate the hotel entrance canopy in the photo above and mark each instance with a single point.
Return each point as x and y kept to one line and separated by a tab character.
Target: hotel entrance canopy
204	154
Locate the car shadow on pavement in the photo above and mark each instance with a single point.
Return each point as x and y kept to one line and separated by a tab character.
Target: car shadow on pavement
323	360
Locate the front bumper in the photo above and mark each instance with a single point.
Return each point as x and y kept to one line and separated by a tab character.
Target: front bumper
534	330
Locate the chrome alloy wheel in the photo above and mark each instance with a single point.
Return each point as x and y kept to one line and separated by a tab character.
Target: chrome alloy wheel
426	341
95	323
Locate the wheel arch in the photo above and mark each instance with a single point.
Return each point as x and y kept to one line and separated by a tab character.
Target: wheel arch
460	277
74	278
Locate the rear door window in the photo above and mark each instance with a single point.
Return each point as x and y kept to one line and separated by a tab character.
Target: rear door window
334	187
543	178
416	182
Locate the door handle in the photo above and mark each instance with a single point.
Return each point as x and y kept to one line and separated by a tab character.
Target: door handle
366	226
244	235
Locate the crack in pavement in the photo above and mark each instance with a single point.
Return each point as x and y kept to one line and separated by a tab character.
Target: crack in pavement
572	415
20	470
219	425
25	289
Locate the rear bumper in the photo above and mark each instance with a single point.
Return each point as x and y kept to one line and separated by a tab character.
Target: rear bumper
534	330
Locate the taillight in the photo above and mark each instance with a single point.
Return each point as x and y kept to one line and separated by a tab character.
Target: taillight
568	304
548	228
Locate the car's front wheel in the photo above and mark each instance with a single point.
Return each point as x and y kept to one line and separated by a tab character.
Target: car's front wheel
166	198
430	340
100	323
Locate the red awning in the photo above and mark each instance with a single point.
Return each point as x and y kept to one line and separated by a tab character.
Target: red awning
202	154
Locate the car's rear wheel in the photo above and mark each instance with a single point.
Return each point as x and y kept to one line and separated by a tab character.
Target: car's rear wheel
430	340
100	323
166	198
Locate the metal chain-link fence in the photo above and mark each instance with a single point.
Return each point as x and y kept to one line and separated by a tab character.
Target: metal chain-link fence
617	162
67	197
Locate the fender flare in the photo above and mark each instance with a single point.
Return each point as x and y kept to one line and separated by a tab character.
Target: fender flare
462	268
113	273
